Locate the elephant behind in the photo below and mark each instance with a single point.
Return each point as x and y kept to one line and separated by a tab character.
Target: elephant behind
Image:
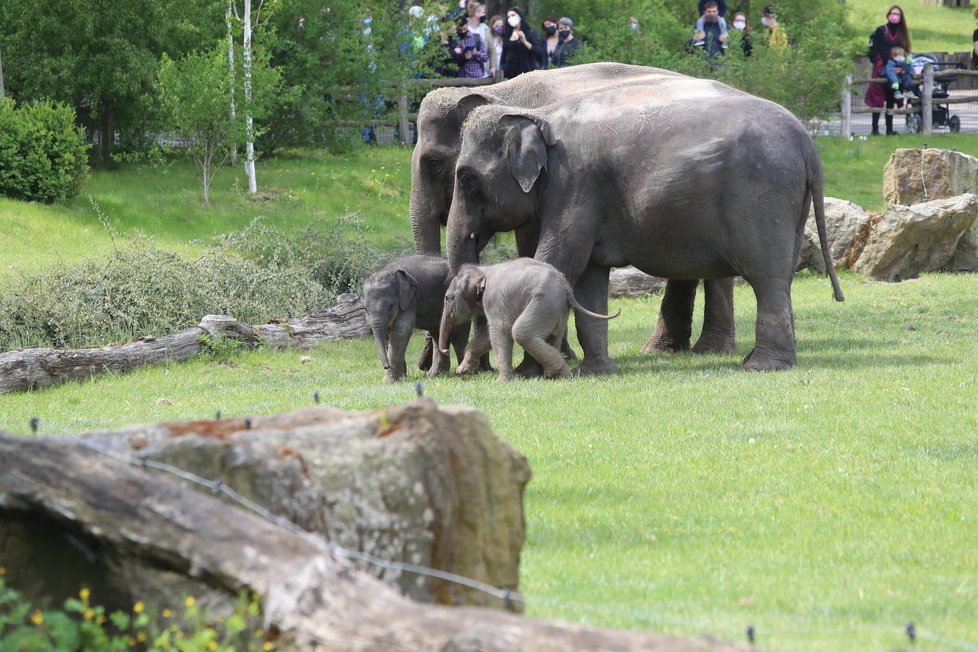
439	125
405	294
522	300
684	179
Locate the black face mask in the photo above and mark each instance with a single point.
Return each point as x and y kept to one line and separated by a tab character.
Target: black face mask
461	32
551	30
564	33
482	19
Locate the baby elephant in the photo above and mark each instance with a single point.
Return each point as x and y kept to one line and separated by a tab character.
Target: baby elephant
525	300
405	294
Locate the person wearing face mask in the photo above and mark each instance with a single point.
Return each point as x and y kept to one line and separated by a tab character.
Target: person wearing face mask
739	23
900	74
776	36
522	51
477	25
568	44
495	46
468	50
887	36
550	40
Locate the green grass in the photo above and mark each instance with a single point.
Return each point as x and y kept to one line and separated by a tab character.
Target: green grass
933	28
850	514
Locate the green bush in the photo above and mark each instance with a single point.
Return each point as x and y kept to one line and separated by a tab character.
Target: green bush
43	155
252	275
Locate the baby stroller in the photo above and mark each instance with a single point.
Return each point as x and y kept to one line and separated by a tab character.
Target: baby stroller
940	113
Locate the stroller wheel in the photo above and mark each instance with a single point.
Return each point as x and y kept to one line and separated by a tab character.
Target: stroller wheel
955	124
914	123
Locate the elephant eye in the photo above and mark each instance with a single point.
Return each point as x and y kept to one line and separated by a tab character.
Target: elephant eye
434	165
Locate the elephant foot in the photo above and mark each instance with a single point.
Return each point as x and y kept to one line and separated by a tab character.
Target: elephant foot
661	343
529	368
600	367
758	360
567	350
424	360
468	368
390	378
715	344
562	372
504	378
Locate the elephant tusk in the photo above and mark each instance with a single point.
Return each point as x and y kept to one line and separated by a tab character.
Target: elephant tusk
472	236
443	351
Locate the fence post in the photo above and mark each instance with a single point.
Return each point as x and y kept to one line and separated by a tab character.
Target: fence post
402	111
846	129
926	102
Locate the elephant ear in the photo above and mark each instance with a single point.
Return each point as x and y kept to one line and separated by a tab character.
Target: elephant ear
474	287
469	102
406	286
526	140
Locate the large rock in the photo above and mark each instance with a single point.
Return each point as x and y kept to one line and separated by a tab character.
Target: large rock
966	255
413	484
908	240
631	282
846	225
912	176
70	514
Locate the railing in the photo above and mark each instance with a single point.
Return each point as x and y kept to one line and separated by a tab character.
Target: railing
924	107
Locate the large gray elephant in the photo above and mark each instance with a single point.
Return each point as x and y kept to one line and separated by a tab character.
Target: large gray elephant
684	179
522	300
439	124
405	294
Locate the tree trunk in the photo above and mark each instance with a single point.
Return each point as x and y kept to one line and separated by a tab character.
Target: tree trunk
34	368
231	110
106	133
2	93
249	120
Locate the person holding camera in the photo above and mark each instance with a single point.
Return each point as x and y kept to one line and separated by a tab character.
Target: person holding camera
468	50
522	51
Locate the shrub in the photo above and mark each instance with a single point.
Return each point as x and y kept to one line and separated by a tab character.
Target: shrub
43	155
252	275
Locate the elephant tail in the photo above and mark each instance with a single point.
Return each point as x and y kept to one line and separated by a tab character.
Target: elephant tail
816	183
581	310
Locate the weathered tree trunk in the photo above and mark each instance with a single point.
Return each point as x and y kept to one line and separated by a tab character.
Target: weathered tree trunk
73	513
34	368
249	119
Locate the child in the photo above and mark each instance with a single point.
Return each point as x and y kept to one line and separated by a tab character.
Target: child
711	16
899	71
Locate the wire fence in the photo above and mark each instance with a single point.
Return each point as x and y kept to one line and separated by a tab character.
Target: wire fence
918	637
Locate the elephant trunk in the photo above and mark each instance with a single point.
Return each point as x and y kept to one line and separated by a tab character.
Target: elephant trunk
444	330
463	246
380	335
425	216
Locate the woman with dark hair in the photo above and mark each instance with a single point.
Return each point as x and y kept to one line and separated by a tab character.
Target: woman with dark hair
892	33
974	46
522	51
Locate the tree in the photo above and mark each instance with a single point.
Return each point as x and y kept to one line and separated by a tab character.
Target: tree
99	56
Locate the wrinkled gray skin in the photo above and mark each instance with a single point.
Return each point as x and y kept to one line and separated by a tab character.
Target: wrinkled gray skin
522	300
685	179
405	294
439	124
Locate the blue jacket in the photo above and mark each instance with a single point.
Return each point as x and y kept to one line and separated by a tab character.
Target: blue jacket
898	72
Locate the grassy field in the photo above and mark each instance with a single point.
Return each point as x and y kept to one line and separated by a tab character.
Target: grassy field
826	506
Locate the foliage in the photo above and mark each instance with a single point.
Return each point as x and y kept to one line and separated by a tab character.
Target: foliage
99	56
83	625
806	77
43	156
253	275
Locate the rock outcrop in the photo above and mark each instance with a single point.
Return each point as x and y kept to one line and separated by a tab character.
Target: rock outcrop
908	240
846	225
914	176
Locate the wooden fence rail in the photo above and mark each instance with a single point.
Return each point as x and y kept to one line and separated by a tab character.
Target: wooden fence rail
924	107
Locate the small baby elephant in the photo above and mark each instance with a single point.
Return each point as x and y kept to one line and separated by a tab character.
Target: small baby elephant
525	300
405	294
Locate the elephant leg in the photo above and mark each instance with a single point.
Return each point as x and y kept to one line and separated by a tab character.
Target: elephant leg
591	291
675	324
440	363
718	335
424	360
774	348
502	347
477	347
400	336
566	350
528	335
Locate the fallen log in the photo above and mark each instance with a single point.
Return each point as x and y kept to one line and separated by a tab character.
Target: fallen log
71	513
35	368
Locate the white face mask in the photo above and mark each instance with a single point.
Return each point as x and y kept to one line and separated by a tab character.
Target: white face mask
513	21
739	24
899	59
764	22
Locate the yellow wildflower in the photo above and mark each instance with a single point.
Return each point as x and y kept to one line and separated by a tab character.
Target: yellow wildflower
167	613
259	632
266	646
190	601
89	613
37	617
3	570
84	594
138	607
141	637
212	646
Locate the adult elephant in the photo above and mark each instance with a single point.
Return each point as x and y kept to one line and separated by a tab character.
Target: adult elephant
439	125
683	179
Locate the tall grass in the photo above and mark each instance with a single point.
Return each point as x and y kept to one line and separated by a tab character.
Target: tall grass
827	506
